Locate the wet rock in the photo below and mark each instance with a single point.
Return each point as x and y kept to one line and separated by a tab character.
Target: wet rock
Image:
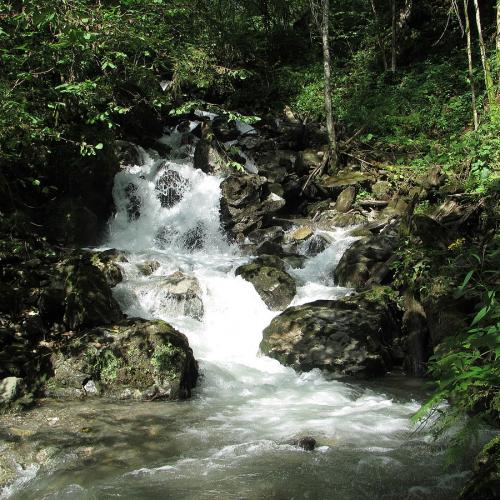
88	299
206	156
148	267
194	238
269	248
294	260
345	199
267	274
70	221
170	188
317	244
185	291
273	234
127	153
366	259
225	130
307	443
331	219
485	481
349	336
417	336
133	359
302	233
246	200
315	208
134	202
445	313
107	261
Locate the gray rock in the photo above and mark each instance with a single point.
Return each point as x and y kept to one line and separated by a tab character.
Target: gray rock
10	389
148	267
330	219
364	260
185	291
345	199
133	359
245	202
347	337
267	274
107	261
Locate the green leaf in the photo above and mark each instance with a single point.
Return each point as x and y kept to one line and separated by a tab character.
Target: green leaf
99	146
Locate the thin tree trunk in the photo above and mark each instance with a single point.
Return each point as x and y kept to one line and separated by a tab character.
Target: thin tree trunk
379	37
498	46
330	125
488	79
471	67
393	37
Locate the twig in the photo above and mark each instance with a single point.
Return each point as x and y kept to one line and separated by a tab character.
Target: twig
315	172
360	159
346	143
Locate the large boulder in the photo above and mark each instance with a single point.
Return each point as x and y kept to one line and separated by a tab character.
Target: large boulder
366	261
267	274
350	336
79	294
246	201
133	359
185	292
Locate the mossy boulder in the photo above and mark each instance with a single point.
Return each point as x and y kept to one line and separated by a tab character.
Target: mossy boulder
350	336
133	359
485	482
267	274
108	262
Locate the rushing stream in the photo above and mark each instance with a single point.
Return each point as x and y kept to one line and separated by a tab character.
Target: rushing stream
234	438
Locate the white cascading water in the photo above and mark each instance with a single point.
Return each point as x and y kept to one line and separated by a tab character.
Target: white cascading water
233	438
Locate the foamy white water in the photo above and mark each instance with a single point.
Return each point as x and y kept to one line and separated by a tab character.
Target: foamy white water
233	439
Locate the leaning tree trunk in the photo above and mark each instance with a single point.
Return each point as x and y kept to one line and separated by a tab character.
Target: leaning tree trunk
471	68
330	125
488	79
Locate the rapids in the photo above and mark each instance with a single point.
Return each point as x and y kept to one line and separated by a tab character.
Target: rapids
234	438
